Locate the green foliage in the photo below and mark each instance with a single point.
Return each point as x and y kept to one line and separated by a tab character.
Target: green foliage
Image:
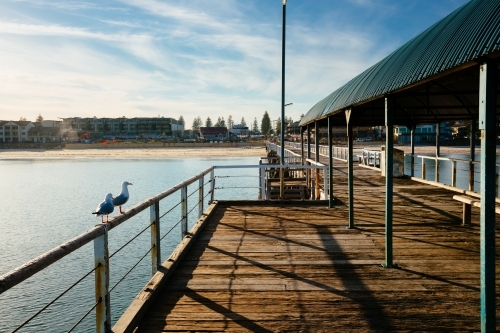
265	125
197	122
208	122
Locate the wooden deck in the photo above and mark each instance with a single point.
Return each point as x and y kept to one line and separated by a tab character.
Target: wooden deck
276	268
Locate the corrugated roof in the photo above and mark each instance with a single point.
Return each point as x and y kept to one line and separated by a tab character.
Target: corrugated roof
468	33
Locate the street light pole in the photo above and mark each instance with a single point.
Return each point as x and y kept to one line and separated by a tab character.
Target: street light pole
283	87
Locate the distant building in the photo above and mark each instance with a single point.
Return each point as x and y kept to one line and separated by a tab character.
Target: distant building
14	131
146	127
45	131
423	133
214	133
239	130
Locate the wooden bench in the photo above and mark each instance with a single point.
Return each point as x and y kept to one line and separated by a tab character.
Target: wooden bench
468	202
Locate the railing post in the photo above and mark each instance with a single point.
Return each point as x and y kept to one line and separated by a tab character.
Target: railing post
436	166
212	185
453	173
263	183
313	189
184	209
154	213
325	184
101	259
471	175
423	168
201	195
260	180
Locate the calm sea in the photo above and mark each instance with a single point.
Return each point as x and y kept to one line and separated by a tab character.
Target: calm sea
44	203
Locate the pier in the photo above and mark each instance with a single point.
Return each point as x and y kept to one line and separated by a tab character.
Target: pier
269	266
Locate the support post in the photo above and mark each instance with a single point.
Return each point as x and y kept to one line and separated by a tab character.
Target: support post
302	145
212	185
487	118
330	163
201	195
308	141
262	182
154	218
283	88
438	151
316	141
472	157
350	169
184	212
412	143
101	259
389	149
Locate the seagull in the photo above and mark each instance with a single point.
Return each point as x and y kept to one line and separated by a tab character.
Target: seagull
123	197
105	208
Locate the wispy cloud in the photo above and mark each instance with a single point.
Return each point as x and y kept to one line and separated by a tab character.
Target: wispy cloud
15	28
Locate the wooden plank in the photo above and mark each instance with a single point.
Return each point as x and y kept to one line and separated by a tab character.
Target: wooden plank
297	268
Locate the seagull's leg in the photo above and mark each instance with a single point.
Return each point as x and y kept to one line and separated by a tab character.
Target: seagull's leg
102	219
121	210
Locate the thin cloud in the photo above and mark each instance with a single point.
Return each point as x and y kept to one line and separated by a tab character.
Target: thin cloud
14	28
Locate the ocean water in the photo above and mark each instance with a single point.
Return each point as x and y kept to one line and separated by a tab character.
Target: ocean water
445	169
45	202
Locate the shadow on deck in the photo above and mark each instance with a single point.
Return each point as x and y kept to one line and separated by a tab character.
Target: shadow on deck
273	267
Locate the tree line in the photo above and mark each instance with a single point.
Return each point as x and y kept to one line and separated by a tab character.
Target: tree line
265	128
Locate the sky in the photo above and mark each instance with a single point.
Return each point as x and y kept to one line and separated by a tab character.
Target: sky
206	58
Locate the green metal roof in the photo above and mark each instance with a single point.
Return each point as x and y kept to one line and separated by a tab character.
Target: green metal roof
470	32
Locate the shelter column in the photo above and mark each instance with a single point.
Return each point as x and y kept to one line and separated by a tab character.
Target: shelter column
308	141
350	170
412	144
316	141
389	145
472	134
487	115
302	144
330	163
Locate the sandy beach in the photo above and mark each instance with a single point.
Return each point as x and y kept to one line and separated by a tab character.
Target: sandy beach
151	153
184	152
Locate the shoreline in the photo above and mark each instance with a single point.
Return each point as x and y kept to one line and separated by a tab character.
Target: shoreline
133	153
189	152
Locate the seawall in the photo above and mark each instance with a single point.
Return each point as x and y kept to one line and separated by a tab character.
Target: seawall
123	145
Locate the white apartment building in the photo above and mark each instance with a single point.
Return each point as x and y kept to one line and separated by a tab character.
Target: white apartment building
14	131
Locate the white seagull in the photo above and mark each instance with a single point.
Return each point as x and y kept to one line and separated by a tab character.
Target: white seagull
122	198
105	208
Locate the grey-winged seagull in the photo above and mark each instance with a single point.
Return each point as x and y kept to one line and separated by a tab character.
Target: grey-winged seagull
122	198
105	208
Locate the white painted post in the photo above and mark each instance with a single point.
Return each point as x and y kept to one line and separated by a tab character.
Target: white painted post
101	259
212	185
201	207
263	182
154	213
